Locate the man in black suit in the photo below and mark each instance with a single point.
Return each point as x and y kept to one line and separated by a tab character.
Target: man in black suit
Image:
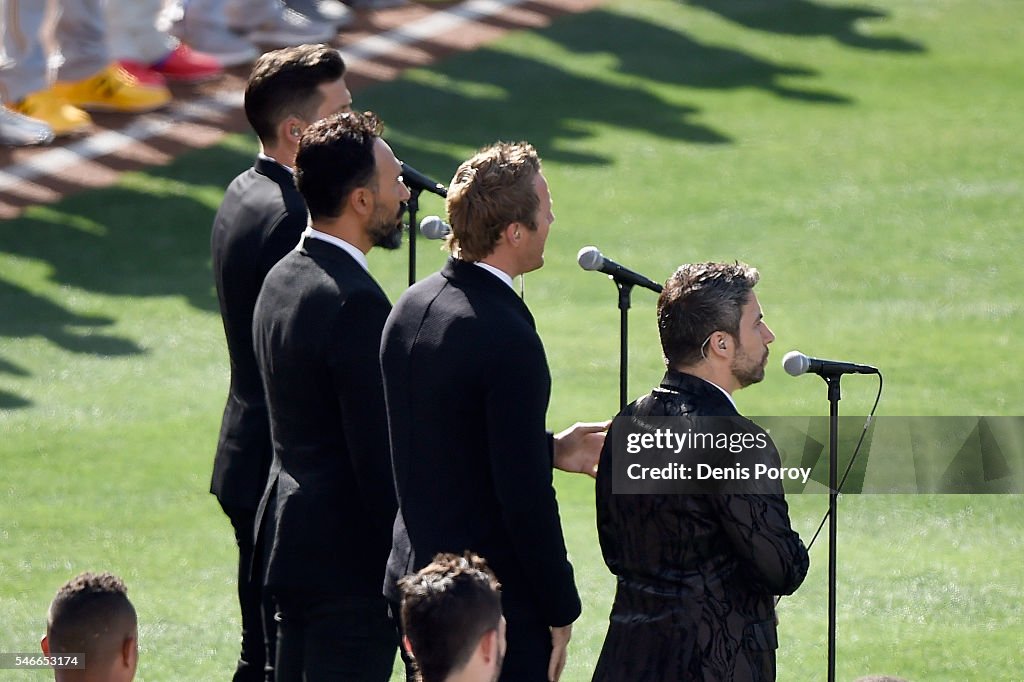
325	519
259	221
698	574
467	388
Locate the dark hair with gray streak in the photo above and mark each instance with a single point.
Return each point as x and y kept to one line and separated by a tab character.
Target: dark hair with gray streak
698	300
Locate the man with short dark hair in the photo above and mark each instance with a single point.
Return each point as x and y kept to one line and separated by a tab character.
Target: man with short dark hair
451	617
261	219
698	574
316	333
467	386
92	617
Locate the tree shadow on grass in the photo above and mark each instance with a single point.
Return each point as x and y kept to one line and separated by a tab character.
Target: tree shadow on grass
661	54
9	400
149	236
494	94
473	100
27	315
809	19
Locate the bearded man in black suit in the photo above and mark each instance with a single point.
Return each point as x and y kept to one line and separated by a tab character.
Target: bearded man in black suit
325	519
698	574
467	387
259	220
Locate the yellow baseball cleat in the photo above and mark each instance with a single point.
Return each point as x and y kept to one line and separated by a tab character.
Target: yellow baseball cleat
46	106
113	89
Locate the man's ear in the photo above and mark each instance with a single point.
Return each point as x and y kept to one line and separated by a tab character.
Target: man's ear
407	645
513	233
290	129
362	201
488	646
130	651
44	644
719	344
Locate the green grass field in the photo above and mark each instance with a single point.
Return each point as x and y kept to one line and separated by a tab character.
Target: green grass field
865	157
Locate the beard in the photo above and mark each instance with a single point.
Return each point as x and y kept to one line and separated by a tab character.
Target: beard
386	230
748	369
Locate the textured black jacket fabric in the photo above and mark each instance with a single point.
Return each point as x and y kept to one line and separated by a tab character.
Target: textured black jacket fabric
260	219
467	387
697	574
326	516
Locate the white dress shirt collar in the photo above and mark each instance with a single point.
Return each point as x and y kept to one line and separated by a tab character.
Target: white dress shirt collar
725	393
340	243
272	159
500	274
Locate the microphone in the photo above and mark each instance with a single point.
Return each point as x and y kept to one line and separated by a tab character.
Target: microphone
591	258
432	227
796	363
416	180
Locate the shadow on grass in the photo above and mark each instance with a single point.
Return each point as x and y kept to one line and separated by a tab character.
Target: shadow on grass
32	315
147	237
808	19
496	94
9	400
663	55
27	315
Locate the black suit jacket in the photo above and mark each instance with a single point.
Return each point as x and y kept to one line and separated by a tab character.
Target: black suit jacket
697	573
467	388
259	220
326	517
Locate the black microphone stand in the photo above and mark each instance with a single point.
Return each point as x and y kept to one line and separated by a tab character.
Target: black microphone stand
413	205
833	498
625	291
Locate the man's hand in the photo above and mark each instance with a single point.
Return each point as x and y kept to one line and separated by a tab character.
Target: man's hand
559	644
578	448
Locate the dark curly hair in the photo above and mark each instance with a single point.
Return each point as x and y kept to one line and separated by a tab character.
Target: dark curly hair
91	615
446	608
335	156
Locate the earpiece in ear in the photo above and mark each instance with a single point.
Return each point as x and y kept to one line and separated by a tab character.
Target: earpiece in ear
517	235
295	131
721	345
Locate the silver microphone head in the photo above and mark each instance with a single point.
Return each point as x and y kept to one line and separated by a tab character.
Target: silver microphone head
432	227
590	258
795	363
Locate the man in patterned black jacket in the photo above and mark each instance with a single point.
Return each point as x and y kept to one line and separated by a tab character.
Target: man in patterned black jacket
698	573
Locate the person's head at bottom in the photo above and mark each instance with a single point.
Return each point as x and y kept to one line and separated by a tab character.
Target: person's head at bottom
451	616
92	617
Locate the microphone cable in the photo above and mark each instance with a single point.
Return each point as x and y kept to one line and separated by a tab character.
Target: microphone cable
856	451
